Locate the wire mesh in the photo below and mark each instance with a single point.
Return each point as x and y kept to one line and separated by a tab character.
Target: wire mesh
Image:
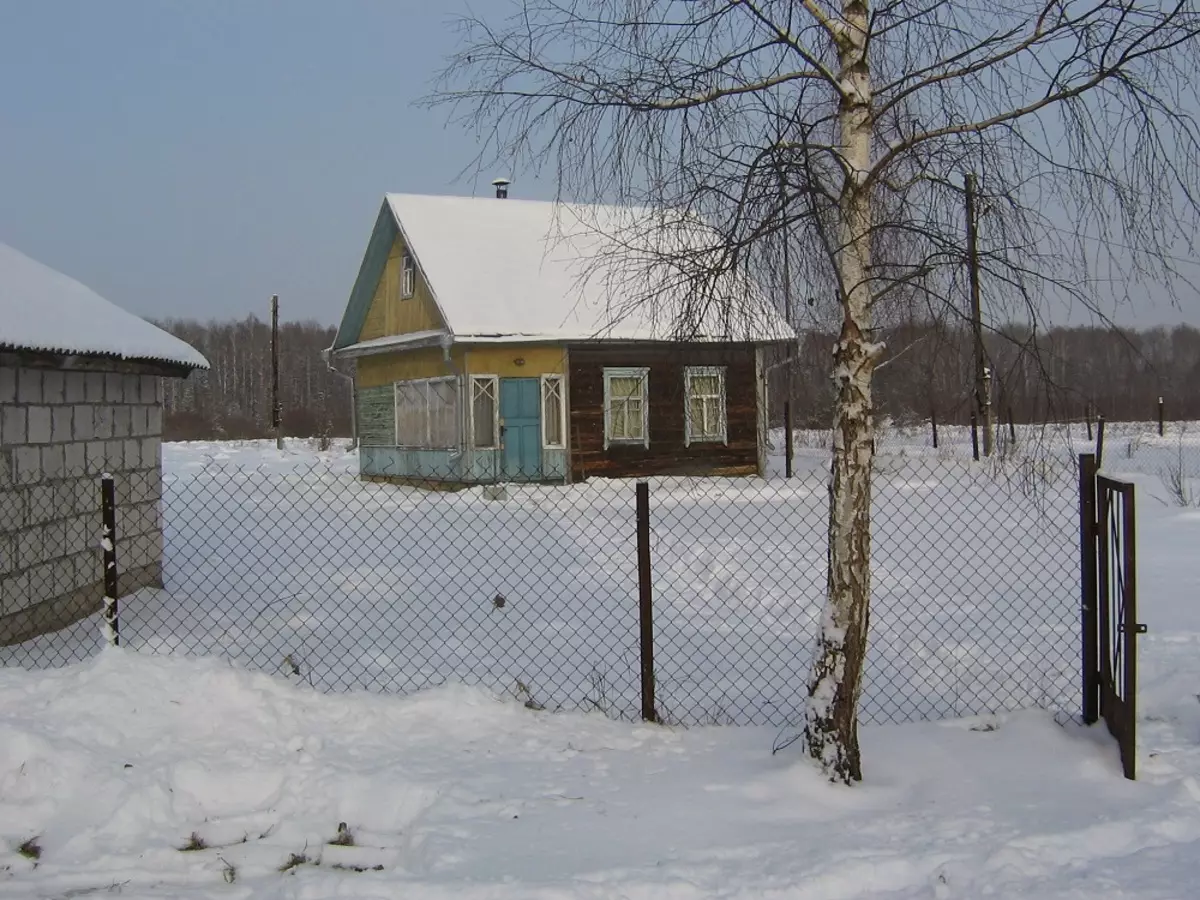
291	564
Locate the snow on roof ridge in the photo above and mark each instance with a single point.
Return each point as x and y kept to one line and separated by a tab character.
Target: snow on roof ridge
44	310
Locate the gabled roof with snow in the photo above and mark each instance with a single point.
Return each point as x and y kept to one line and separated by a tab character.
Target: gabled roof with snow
43	310
531	270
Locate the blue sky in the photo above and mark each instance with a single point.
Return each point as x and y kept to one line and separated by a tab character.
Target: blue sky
192	158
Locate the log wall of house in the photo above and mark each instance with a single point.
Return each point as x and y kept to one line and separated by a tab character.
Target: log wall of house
668	452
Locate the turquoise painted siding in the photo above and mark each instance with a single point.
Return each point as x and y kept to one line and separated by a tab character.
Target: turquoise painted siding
377	416
397	462
380	456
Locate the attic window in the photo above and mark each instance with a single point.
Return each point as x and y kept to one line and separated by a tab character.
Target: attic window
408	277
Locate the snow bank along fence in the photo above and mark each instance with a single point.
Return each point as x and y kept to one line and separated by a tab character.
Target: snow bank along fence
554	594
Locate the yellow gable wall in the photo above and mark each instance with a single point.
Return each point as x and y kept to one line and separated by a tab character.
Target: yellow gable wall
389	314
500	359
375	371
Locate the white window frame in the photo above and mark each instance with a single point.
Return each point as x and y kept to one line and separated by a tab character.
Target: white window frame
689	438
562	410
427	383
640	372
495	382
408	275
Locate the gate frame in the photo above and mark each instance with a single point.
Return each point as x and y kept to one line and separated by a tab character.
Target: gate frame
1108	548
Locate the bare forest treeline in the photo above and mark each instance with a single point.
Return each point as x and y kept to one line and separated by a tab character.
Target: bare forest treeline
232	401
1059	374
1056	375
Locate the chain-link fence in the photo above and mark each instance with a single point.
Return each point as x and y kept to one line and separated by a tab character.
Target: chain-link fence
288	563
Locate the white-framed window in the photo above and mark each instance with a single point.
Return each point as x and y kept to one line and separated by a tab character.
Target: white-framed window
704	404
485	412
554	413
427	413
626	406
408	276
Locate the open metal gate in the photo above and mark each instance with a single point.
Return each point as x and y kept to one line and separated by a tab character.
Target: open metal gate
1108	541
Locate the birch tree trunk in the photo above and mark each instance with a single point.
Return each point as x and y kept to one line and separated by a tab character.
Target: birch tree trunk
831	726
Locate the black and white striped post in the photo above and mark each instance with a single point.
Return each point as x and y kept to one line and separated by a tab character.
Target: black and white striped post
108	542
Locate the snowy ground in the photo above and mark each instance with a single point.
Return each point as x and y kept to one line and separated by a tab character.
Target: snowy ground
286	563
108	767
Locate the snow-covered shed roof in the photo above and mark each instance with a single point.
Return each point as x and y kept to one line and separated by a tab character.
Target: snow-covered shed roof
43	310
507	269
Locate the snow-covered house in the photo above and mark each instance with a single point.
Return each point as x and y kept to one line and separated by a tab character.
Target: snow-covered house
80	394
513	340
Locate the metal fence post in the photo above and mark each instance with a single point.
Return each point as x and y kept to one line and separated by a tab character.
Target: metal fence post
1099	442
645	602
975	437
788	452
1161	418
933	427
1089	619
108	514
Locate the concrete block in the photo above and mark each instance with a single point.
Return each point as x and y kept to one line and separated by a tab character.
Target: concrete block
102	421
43	507
149	391
6	472
159	390
13	426
151	453
12	511
114	387
8	385
40	424
93	387
78	536
14	593
133	388
122	421
137	420
96	458
8	554
154	420
60	424
53	387
27	465
114	455
75	459
42	583
146	487
74	387
54	462
29	547
29	386
89	567
83	423
133	454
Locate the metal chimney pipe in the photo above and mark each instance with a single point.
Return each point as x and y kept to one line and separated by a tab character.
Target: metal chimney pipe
501	185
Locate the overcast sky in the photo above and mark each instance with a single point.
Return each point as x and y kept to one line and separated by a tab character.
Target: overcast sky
189	159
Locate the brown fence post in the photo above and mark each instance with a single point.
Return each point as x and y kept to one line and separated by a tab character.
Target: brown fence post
788	452
975	437
1161	418
645	601
1089	619
108	515
1012	427
933	426
1099	442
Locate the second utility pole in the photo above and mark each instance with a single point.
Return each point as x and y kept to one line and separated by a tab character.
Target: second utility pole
983	376
276	412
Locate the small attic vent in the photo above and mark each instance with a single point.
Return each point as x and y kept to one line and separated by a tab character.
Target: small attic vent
501	185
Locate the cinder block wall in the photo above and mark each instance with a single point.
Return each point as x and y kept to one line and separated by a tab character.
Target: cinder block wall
59	431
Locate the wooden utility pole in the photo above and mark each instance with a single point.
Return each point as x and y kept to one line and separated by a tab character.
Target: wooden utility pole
276	416
983	375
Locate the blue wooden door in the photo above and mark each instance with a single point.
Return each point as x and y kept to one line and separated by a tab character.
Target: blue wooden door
521	428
